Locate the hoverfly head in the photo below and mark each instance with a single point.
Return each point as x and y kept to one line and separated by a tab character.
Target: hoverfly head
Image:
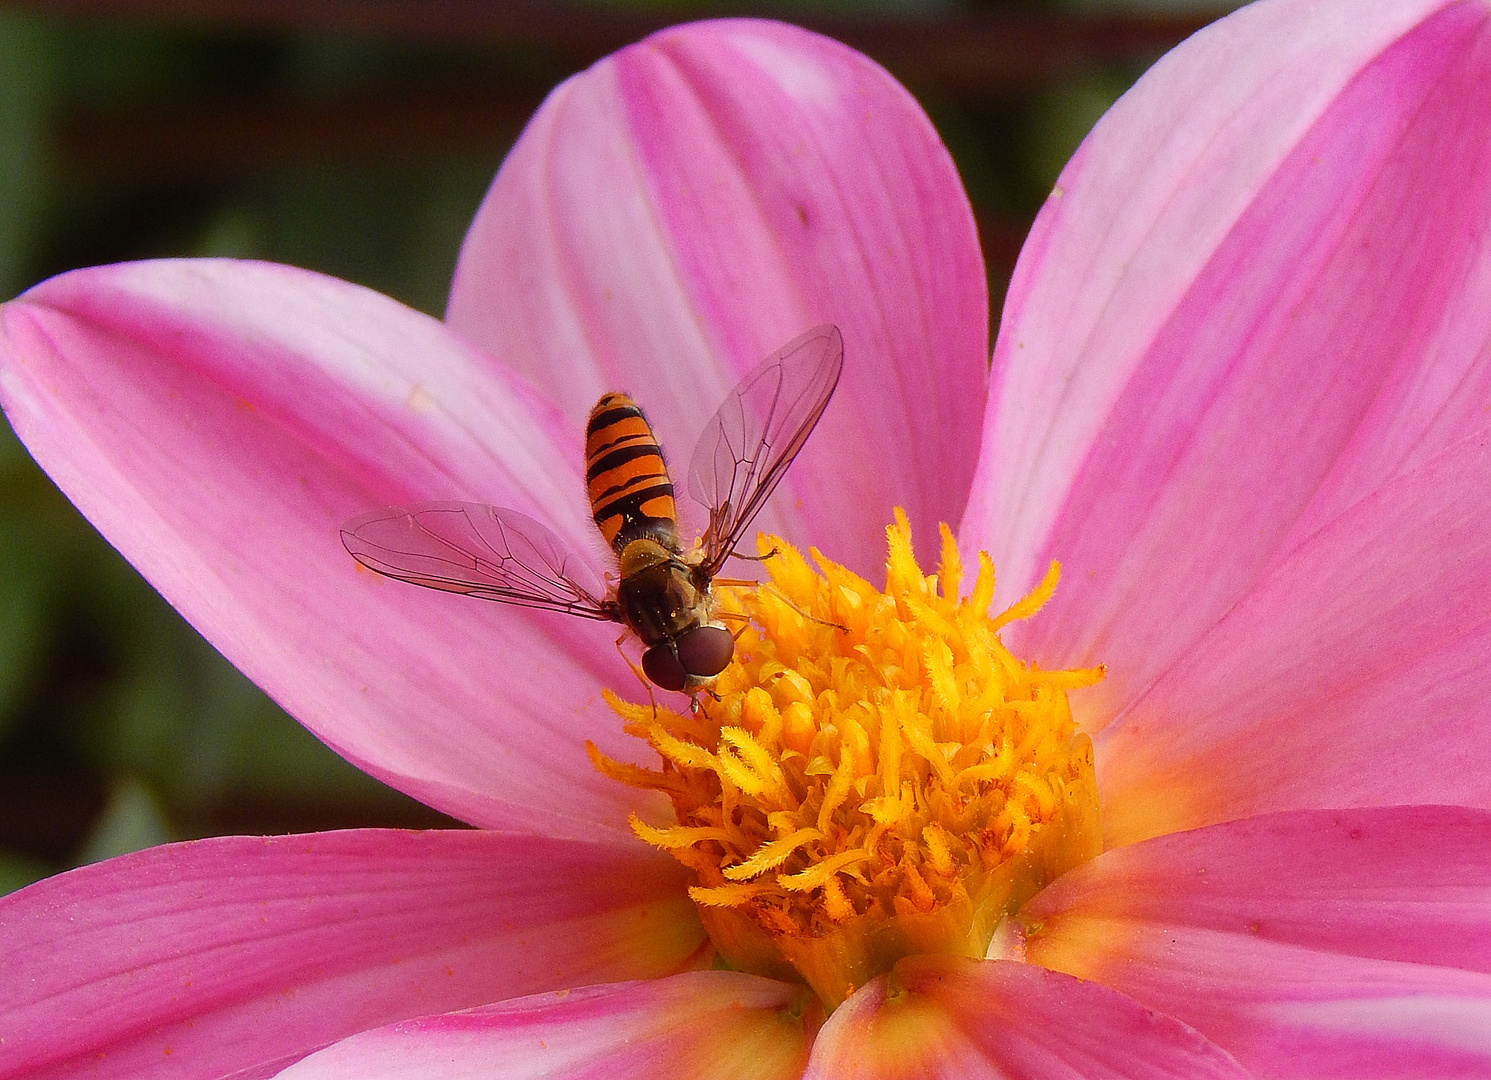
694	657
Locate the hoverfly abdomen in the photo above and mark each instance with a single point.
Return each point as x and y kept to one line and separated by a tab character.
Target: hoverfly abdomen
631	494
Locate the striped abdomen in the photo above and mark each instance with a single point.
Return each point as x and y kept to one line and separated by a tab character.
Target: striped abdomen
631	495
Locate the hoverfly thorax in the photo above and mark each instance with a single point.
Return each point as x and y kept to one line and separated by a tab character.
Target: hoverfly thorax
661	595
658	593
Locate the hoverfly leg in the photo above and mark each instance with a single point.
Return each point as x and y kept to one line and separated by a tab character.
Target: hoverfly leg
694	699
772	554
641	677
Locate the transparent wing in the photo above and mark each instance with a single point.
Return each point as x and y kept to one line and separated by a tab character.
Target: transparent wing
483	551
748	444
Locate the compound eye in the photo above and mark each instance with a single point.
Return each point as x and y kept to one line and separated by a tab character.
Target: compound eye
704	651
660	664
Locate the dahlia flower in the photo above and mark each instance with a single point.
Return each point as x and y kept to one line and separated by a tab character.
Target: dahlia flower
1212	804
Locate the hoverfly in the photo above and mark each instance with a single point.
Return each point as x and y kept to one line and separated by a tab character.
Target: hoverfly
661	593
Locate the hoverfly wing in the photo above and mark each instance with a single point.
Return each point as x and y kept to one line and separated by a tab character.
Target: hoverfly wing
483	551
748	444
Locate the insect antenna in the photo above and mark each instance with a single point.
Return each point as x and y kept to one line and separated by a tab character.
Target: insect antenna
745	583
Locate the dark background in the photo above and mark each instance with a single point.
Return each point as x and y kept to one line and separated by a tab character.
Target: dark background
355	137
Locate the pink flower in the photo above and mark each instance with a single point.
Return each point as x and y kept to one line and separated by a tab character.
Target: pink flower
1240	390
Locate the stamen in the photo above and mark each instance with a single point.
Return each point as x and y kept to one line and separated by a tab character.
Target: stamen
878	776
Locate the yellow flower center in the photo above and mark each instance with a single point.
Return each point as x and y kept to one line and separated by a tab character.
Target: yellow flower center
878	777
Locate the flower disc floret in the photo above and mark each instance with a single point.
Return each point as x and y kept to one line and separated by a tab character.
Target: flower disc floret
874	776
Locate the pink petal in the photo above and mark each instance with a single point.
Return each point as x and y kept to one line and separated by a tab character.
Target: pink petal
951	1017
1285	1011
1409	883
1355	674
1308	944
1257	292
680	210
703	1024
239	955
218	421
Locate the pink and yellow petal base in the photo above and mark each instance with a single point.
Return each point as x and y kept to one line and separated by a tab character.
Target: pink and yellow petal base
1353	674
948	1018
236	956
708	1025
1308	944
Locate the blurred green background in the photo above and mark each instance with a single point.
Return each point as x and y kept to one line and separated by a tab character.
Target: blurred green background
355	138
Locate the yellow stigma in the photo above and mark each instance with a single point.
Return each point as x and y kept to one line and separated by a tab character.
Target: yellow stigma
878	778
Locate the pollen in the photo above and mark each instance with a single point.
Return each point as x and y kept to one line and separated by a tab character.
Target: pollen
874	775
